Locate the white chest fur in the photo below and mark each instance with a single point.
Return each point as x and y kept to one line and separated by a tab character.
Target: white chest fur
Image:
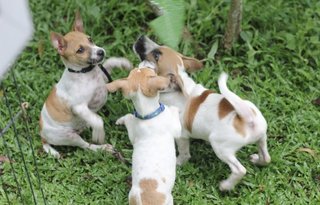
87	88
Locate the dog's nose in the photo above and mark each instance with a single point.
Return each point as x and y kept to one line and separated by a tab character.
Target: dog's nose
100	53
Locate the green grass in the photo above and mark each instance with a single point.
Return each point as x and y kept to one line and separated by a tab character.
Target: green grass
275	64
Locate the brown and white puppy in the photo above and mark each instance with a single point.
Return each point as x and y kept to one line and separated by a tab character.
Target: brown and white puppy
151	130
80	93
225	120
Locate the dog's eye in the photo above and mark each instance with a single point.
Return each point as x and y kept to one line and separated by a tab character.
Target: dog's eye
156	54
90	40
80	50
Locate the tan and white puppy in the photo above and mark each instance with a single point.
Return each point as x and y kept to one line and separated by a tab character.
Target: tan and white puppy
225	120
80	93
151	129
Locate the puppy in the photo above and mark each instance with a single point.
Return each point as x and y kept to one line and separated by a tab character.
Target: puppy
79	94
225	120
151	130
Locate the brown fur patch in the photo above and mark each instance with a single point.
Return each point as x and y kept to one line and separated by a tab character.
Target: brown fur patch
74	40
144	79
167	65
150	195
133	200
224	108
193	107
57	108
168	61
239	125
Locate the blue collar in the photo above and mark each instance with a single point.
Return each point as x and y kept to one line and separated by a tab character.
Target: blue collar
151	115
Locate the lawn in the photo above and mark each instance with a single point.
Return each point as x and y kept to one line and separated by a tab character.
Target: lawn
275	64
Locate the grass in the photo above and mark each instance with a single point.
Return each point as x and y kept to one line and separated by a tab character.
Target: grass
275	64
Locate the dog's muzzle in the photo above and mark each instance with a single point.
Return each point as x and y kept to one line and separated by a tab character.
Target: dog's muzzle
147	64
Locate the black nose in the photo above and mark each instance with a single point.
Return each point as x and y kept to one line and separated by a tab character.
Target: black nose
100	53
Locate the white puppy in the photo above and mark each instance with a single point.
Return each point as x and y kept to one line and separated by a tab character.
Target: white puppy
151	130
225	120
79	94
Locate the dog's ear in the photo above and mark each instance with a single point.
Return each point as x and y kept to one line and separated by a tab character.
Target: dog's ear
118	84
153	85
78	23
158	83
58	42
191	64
176	80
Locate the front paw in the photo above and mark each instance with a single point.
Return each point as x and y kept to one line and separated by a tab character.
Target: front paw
98	136
181	159
255	159
107	147
120	121
226	185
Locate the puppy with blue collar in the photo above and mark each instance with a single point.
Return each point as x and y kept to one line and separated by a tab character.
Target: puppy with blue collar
73	102
151	129
225	120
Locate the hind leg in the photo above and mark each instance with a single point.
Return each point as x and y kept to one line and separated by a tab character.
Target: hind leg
183	146
76	140
263	157
237	173
70	139
227	155
50	150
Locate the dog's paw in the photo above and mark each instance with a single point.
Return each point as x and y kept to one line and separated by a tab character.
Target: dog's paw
107	147
98	136
181	159
226	185
254	158
120	121
55	154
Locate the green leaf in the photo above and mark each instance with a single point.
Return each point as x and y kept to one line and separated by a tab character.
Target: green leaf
213	50
291	41
169	26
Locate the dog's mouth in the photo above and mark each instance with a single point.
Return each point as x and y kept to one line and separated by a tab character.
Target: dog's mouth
147	64
95	61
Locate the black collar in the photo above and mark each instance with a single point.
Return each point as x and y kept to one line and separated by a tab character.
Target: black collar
83	70
90	68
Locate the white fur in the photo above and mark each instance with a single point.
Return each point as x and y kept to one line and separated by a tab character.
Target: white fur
85	93
221	134
153	145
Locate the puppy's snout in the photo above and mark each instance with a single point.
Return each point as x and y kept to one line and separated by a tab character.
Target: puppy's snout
101	53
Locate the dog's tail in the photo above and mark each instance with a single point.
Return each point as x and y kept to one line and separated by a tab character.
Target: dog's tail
241	107
117	62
